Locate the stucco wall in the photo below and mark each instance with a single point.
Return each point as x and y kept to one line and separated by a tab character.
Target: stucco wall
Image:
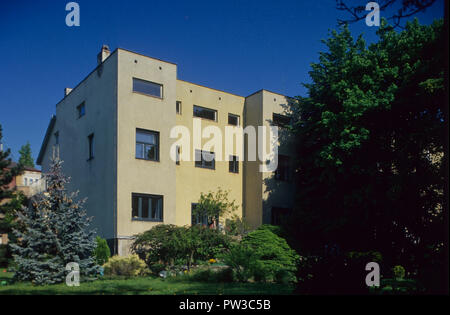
96	178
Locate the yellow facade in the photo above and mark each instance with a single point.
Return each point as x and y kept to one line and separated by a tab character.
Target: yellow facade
114	112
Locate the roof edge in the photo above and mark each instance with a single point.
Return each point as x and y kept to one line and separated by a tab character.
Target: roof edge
51	124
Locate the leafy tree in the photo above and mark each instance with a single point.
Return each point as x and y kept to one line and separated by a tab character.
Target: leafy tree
55	232
371	149
25	155
214	205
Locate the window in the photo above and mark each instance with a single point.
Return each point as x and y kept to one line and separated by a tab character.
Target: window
233	120
279	215
25	181
147	207
205	113
205	159
179	107
91	146
282	171
81	109
197	218
281	120
31	181
56	138
234	164
177	157
147	145
147	87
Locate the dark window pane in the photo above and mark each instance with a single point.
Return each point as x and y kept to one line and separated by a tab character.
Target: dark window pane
146	202
203	112
281	120
139	150
135	212
233	120
147	87
179	107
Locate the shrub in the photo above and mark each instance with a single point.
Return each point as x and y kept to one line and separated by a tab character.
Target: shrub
272	251
101	251
128	266
168	244
399	272
242	260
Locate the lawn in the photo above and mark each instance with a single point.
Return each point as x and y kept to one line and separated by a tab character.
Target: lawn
145	285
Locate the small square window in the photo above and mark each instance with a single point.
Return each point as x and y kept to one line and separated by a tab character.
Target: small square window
205	159
233	120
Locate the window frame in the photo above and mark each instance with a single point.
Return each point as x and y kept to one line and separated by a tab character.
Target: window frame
233	164
202	164
148	196
79	107
161	88
235	116
279	123
143	143
207	109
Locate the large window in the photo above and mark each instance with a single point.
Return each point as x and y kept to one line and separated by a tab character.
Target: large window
147	207
91	146
205	159
234	164
282	171
205	113
233	120
147	145
147	87
281	120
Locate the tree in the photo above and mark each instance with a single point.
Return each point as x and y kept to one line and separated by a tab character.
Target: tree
214	205
25	155
55	232
9	199
405	9
371	149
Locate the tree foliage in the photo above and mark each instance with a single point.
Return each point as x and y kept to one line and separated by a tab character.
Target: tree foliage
55	231
371	146
214	205
25	155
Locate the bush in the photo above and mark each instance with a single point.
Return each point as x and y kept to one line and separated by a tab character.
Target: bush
168	244
399	272
5	256
236	226
273	253
242	260
101	251
128	266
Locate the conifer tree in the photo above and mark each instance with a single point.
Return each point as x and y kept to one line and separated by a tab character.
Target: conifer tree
55	231
25	155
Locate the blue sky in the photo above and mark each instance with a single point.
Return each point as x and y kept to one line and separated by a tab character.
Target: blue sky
236	46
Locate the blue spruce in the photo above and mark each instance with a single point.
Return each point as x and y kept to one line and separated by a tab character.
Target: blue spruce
52	232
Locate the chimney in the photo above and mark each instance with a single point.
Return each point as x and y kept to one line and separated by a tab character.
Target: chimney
67	91
104	53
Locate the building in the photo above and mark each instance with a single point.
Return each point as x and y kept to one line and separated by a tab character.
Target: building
113	133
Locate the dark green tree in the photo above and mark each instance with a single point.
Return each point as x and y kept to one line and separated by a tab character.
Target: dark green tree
371	153
25	155
55	232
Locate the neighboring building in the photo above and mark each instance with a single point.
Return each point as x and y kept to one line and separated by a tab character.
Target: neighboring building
113	133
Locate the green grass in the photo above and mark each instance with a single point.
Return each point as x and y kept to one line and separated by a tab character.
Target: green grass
144	285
